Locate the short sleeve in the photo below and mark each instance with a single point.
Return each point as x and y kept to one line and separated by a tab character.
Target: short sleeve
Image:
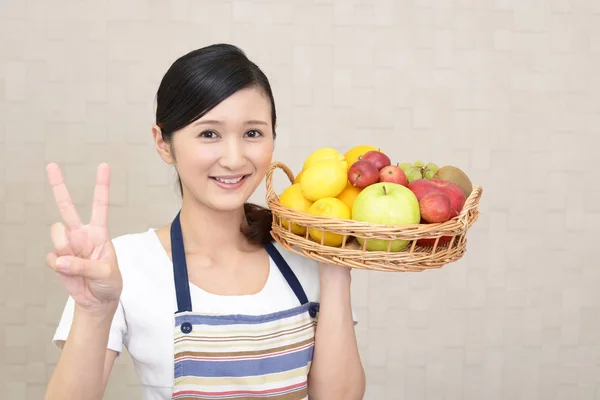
117	330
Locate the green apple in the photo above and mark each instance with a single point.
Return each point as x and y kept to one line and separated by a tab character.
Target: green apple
386	204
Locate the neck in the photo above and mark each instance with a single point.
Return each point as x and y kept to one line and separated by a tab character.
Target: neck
206	230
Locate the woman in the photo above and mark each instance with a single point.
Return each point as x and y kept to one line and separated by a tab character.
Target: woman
207	306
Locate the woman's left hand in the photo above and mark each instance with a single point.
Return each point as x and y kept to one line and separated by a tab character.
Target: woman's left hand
334	272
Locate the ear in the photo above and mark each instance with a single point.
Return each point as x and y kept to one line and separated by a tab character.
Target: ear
163	148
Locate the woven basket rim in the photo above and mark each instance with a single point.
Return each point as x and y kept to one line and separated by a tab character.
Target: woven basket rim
416	257
272	199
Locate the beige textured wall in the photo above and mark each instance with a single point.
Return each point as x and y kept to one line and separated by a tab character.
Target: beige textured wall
507	89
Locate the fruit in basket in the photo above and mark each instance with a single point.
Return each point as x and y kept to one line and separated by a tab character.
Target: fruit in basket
419	170
349	194
323	154
298	177
421	187
292	197
431	241
332	208
363	173
404	166
355	153
429	170
325	178
386	204
457	176
413	173
393	174
435	207
378	158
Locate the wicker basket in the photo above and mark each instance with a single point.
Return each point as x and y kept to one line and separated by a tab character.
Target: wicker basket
414	258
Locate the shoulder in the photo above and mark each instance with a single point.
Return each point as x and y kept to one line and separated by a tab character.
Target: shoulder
129	241
305	269
135	244
140	253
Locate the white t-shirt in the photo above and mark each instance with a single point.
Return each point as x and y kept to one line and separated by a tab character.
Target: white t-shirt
144	320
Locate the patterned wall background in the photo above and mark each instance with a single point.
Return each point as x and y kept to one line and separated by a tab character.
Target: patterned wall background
509	90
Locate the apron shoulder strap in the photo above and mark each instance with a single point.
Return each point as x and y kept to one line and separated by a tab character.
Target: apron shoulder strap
180	273
287	273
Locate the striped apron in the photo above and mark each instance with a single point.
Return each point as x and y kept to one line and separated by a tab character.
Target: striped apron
241	356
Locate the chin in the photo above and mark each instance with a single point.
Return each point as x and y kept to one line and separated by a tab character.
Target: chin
226	206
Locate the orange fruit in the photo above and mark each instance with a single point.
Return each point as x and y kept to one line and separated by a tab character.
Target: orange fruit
354	154
349	194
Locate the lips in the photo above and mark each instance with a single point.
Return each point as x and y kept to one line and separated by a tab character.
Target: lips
229	180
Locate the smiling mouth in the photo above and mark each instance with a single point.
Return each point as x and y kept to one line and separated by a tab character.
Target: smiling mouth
229	180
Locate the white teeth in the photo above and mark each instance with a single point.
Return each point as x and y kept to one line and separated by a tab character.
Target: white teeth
229	180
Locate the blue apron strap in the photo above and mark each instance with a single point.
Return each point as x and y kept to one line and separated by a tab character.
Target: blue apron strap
287	273
180	273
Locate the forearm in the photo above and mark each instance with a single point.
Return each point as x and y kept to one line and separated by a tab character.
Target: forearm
337	371
80	371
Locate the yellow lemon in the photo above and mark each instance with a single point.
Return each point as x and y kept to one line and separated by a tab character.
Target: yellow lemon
324	179
298	177
292	197
348	195
354	154
333	208
322	154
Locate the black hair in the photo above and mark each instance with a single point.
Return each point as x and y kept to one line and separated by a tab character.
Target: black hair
196	83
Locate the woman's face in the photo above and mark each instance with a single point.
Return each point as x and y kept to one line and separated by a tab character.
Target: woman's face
222	157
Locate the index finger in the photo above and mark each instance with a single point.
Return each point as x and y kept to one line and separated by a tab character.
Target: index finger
61	196
101	197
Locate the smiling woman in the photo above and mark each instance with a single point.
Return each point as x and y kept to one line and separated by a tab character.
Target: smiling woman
222	158
213	96
207	305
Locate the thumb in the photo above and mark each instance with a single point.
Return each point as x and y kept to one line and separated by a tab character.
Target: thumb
90	269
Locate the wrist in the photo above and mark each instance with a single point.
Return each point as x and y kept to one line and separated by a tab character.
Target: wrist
334	273
335	282
98	315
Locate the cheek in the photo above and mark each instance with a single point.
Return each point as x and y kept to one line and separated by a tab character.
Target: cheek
263	157
194	156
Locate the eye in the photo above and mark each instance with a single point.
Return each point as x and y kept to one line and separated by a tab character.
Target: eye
253	133
208	134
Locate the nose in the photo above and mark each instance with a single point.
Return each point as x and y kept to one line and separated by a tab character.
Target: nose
233	156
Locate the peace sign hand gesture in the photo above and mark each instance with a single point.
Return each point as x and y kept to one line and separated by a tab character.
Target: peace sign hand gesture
84	257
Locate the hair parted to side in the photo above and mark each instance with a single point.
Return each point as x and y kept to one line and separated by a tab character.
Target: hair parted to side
196	83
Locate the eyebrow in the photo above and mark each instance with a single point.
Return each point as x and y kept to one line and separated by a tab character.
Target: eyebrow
216	122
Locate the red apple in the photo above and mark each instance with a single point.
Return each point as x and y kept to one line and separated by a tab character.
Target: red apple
421	187
393	174
431	241
362	174
435	207
378	158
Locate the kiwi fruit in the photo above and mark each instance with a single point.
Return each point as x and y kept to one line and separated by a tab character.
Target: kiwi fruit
455	175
